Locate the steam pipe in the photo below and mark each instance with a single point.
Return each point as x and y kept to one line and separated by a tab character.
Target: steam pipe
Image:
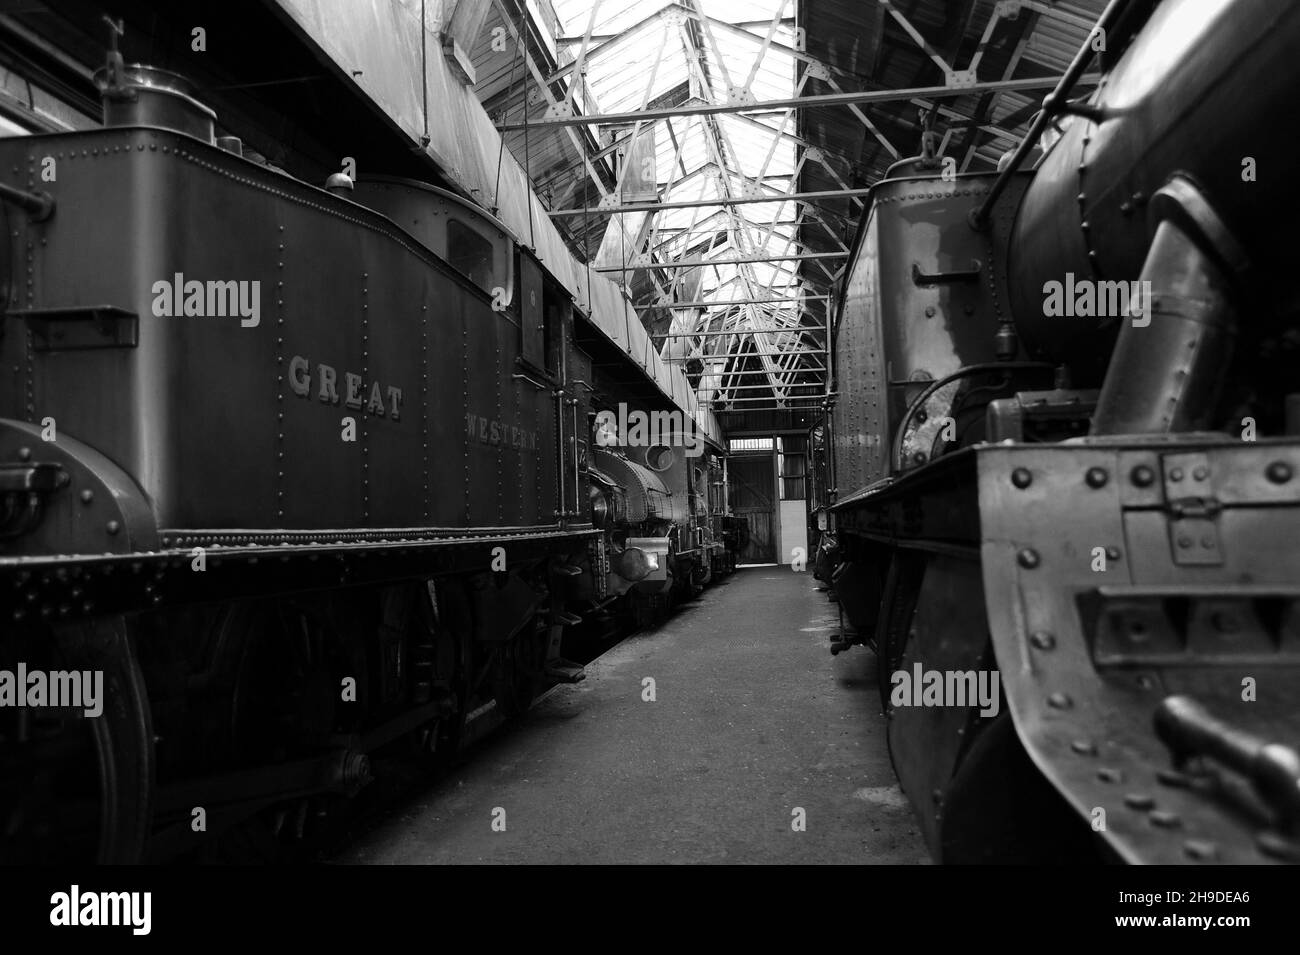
1056	102
39	206
1168	365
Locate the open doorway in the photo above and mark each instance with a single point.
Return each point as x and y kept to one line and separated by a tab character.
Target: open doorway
767	484
752	481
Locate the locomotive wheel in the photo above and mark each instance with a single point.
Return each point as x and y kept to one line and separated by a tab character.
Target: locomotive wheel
705	577
84	784
287	683
902	589
125	744
453	622
520	671
281	667
437	668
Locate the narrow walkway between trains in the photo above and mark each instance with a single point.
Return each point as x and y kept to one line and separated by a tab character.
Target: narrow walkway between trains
751	744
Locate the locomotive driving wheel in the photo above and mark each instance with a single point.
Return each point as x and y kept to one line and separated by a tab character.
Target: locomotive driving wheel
440	668
77	788
520	669
897	609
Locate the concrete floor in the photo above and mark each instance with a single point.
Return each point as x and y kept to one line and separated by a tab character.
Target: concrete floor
752	718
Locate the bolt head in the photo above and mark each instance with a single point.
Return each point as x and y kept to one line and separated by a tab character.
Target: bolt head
1279	472
1022	478
1028	558
1096	477
1142	476
1042	640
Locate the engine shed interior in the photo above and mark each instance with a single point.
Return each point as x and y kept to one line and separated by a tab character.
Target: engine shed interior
644	431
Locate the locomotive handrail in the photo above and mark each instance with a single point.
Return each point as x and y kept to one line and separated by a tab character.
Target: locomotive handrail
1055	102
539	385
965	372
943	278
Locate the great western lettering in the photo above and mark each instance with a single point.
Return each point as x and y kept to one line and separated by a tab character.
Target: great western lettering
349	388
491	431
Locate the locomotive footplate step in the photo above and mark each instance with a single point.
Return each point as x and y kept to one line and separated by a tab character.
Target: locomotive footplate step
566	671
720	736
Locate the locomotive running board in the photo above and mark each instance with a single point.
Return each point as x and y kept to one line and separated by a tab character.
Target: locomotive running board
65	587
1099	620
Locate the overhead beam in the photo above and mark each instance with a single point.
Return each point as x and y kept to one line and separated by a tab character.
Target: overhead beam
747	354
787	330
786	21
751	372
716	201
735	260
797	403
804	102
736	301
819	385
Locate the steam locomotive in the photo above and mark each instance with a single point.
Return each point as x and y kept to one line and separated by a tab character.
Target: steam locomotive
1063	453
296	475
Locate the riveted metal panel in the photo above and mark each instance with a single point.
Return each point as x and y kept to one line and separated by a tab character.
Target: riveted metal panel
482	341
925	298
1094	624
859	420
229	428
399	66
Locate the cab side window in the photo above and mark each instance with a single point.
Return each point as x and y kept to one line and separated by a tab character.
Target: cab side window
470	254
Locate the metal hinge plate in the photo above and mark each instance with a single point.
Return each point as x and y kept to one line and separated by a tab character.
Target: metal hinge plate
1192	509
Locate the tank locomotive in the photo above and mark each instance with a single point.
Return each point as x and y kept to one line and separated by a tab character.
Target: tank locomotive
306	475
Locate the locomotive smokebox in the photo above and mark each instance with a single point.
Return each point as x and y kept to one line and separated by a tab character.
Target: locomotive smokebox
1199	94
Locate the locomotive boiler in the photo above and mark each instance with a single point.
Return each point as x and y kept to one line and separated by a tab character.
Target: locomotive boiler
303	475
1063	454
